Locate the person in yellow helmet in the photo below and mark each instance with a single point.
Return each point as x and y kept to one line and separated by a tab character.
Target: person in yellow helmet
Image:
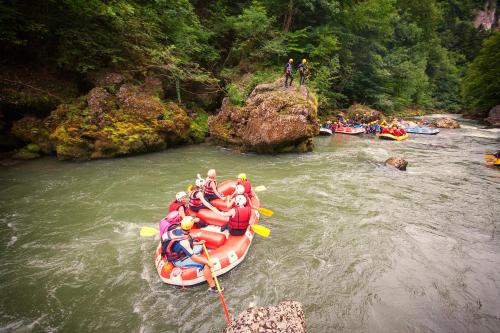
242	180
302	71
179	248
288	73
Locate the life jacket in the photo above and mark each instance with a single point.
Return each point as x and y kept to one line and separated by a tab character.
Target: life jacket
169	241
246	184
171	219
288	68
208	186
175	205
241	218
193	200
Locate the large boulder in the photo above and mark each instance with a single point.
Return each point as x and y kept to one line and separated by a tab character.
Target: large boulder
273	120
361	113
494	116
33	130
397	162
287	316
445	122
116	119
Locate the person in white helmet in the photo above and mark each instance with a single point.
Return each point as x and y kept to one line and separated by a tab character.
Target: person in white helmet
239	216
238	190
196	198
179	248
180	205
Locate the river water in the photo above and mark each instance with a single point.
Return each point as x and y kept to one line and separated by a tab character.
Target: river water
364	247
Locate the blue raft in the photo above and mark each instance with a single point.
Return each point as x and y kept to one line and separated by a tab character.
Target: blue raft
422	130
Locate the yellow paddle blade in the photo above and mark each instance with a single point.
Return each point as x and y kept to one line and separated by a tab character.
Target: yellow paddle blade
266	212
259	188
148	232
489	156
261	230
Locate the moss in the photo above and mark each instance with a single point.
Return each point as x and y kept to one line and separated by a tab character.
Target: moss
198	129
33	147
25	154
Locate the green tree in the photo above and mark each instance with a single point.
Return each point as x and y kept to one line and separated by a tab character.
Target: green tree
481	85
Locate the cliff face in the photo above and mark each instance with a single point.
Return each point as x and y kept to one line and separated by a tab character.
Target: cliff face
274	119
115	118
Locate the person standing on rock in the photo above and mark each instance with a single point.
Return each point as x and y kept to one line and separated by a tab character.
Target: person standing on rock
288	72
302	71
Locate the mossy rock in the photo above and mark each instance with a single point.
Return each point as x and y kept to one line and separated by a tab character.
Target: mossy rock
25	154
34	148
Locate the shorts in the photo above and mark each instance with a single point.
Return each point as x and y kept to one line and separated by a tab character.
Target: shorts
188	262
237	232
211	196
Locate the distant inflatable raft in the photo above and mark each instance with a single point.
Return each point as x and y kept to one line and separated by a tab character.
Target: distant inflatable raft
226	251
387	136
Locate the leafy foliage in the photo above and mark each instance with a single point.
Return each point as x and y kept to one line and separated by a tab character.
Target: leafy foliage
390	54
481	85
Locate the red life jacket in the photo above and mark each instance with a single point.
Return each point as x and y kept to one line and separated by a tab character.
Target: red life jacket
175	205
241	218
246	184
208	186
193	200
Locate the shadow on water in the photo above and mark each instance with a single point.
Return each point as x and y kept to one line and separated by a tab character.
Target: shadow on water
364	247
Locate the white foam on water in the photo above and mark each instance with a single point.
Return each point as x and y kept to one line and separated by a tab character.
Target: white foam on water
12	241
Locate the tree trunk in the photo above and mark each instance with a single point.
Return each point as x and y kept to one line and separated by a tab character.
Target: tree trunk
288	17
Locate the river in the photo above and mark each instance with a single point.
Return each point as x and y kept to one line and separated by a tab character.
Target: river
364	247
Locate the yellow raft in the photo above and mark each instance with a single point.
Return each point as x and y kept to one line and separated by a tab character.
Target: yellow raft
387	136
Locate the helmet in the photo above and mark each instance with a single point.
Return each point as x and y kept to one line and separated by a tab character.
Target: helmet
180	195
241	200
187	223
240	189
290	60
200	182
304	61
242	176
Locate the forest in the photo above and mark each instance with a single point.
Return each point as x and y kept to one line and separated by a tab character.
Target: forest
388	54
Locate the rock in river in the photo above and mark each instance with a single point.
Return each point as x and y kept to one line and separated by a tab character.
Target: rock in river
274	120
397	162
287	316
494	116
445	122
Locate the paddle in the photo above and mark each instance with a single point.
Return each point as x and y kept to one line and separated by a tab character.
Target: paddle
265	211
148	232
261	230
218	286
489	156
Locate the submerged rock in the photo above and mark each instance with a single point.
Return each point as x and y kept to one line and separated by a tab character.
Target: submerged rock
273	120
445	122
287	316
494	116
397	162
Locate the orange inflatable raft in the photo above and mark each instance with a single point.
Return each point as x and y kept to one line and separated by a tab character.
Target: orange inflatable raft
226	251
